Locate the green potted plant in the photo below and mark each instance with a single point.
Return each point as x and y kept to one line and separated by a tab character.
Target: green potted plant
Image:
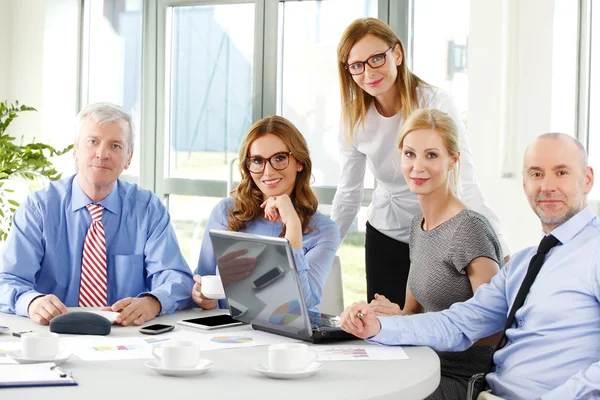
29	162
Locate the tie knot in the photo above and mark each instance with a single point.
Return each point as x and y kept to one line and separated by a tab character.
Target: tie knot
547	243
95	211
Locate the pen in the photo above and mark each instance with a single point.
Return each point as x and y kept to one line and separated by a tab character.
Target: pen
61	373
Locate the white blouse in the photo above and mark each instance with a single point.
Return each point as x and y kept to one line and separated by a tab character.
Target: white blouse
394	205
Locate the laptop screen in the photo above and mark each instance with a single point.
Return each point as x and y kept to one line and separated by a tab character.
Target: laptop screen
260	281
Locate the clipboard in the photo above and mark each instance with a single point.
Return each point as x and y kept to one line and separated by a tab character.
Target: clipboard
32	375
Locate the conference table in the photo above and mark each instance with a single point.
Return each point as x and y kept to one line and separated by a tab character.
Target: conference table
233	375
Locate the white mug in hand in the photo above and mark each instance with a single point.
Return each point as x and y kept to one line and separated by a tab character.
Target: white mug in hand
39	345
212	287
290	357
177	354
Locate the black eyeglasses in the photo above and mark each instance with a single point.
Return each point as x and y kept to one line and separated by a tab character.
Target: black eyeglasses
278	161
375	61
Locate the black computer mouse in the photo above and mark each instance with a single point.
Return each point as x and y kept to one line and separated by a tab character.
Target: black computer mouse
80	323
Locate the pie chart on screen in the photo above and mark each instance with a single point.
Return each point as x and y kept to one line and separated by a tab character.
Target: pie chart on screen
286	313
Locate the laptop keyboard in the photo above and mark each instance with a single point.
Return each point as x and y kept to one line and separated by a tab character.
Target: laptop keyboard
319	322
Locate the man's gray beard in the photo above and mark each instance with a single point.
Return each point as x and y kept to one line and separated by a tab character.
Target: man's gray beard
559	220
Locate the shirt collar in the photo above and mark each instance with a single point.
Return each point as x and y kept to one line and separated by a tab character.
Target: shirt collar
574	225
79	199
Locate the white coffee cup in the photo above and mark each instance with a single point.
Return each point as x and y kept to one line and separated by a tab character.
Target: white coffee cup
212	287
290	357
177	354
39	345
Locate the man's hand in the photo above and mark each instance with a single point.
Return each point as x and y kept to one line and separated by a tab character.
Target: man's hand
365	326
382	306
202	301
43	308
137	310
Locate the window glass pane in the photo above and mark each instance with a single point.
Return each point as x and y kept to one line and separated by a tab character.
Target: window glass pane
594	130
308	87
189	226
440	54
564	66
211	63
114	60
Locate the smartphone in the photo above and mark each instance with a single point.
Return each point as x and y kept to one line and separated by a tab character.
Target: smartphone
216	321
156	329
18	334
267	278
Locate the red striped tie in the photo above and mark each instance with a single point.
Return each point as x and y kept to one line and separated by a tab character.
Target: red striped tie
92	290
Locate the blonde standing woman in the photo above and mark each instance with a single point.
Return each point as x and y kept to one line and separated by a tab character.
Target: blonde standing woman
378	93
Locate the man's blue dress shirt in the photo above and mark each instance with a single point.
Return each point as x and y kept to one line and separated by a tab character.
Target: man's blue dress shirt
553	349
44	249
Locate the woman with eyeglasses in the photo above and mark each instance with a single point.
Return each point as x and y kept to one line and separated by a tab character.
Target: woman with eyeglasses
378	94
274	198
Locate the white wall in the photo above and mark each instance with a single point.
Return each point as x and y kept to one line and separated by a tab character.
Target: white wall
5	46
39	40
528	107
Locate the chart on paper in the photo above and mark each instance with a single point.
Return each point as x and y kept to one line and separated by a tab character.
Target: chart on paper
359	353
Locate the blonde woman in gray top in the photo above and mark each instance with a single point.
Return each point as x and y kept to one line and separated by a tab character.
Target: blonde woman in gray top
378	94
453	250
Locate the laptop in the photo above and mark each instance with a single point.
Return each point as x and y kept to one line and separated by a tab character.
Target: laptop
262	288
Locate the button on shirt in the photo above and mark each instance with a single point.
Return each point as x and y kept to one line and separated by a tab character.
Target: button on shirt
44	249
553	350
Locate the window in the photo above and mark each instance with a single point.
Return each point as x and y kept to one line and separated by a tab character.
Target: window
594	102
112	60
210	88
440	54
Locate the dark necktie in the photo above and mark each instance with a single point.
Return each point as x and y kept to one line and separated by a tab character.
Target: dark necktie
547	243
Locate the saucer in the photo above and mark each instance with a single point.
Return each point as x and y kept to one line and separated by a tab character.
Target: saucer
311	369
60	358
203	366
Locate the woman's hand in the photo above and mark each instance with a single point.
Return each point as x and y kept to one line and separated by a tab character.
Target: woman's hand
382	306
280	208
202	301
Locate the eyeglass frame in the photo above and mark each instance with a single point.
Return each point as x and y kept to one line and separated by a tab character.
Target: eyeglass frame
384	54
248	159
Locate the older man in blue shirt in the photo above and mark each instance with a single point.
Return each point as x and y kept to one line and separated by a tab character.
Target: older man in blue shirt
553	347
93	239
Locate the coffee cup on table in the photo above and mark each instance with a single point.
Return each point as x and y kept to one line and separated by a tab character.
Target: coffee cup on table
290	357
177	354
39	345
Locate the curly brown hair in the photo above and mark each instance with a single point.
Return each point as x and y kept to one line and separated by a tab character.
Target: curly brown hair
248	197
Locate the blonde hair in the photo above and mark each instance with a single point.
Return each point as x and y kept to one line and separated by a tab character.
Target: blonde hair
355	101
248	197
444	126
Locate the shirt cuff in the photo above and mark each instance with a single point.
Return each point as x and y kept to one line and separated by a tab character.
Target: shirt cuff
162	298
22	305
387	333
300	259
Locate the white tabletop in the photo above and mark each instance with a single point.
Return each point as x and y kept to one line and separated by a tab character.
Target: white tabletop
233	376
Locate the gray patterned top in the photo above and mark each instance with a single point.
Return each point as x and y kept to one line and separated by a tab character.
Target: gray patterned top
438	275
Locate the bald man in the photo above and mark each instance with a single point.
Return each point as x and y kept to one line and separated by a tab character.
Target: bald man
551	350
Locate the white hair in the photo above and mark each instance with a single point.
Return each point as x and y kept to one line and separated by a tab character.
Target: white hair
106	113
